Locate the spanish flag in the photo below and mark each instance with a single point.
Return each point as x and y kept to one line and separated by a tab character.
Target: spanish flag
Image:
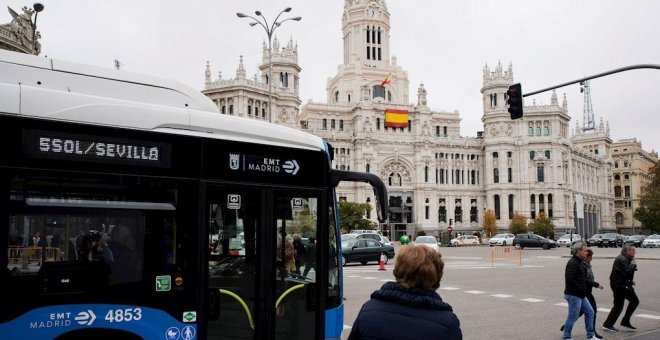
387	80
396	118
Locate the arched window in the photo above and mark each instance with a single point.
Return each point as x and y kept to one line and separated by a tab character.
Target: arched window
530	129
510	206
619	218
496	198
332	124
617	177
532	205
550	205
496	175
336	96
541	203
617	191
324	125
341	125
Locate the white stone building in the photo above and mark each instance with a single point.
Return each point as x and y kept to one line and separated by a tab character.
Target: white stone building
432	172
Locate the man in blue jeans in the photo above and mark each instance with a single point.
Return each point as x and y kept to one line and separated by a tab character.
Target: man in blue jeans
575	293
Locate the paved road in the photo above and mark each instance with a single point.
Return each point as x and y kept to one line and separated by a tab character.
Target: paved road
511	301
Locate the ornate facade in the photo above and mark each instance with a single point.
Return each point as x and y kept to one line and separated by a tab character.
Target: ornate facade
631	171
248	98
17	35
433	174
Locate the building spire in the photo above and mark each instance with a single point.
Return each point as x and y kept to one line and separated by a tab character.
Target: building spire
240	71
207	73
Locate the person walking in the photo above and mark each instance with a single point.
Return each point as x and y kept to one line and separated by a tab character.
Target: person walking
591	284
411	301
622	284
575	292
311	256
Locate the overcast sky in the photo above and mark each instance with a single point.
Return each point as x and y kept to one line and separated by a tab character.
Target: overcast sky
443	44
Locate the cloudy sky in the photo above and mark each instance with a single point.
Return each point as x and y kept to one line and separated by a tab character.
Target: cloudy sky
443	44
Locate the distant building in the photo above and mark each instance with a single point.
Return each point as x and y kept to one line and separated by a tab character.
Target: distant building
248	98
17	35
433	174
631	172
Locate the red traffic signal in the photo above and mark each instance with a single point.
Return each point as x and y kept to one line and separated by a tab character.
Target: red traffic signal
515	96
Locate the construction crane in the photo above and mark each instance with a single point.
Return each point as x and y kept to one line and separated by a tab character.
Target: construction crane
588	111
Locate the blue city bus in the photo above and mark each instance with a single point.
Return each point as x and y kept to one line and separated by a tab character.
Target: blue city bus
132	209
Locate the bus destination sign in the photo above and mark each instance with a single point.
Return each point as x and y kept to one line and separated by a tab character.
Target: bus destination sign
94	148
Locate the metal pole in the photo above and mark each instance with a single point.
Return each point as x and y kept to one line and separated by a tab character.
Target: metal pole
38	7
627	68
270	75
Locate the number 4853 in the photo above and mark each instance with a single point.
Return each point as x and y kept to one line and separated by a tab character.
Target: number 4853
124	315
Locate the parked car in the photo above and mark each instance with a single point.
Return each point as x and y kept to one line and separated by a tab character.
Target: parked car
611	240
652	241
373	236
568	240
464	240
365	231
594	240
533	240
635	240
501	240
427	241
364	250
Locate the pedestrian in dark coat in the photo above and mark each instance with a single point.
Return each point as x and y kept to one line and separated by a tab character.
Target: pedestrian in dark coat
409	308
575	292
622	284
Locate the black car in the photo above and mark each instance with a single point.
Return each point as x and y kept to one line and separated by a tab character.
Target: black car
611	240
595	240
533	240
635	240
364	250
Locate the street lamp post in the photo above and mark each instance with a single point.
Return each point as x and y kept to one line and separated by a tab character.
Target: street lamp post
270	29
38	7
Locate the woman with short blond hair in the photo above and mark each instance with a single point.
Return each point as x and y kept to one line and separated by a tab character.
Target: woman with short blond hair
409	308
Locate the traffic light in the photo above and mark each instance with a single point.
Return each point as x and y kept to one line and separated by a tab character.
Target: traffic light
515	101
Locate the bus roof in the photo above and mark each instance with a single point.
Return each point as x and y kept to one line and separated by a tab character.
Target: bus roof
52	89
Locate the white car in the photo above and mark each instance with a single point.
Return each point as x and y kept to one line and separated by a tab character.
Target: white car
501	240
427	241
653	241
567	241
464	240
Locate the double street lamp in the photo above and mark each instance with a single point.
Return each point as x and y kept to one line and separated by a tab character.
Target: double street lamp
270	29
38	7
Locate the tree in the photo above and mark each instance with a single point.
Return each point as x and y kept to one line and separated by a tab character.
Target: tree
518	224
490	223
542	225
649	202
351	216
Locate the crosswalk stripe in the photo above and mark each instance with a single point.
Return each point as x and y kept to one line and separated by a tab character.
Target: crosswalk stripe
474	292
604	310
562	304
449	288
501	296
532	300
347	327
648	316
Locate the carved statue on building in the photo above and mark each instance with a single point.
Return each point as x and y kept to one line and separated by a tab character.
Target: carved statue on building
20	32
421	95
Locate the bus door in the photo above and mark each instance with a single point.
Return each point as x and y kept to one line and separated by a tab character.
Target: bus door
260	276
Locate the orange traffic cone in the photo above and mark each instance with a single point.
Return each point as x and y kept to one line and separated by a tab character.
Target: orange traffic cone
382	261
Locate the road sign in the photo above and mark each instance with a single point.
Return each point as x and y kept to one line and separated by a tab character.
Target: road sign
450	229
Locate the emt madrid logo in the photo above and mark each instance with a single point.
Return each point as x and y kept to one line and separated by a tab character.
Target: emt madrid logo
253	163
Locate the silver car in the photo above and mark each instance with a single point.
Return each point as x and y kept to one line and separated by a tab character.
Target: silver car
427	241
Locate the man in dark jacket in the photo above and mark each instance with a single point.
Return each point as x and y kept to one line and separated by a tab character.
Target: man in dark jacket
575	292
411	301
621	281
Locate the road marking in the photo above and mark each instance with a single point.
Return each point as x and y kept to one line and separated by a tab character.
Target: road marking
369	278
352	276
449	288
502	296
474	292
648	316
347	327
549	257
462	258
562	304
532	300
386	280
605	310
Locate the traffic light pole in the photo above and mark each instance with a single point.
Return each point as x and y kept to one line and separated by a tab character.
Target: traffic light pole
627	68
